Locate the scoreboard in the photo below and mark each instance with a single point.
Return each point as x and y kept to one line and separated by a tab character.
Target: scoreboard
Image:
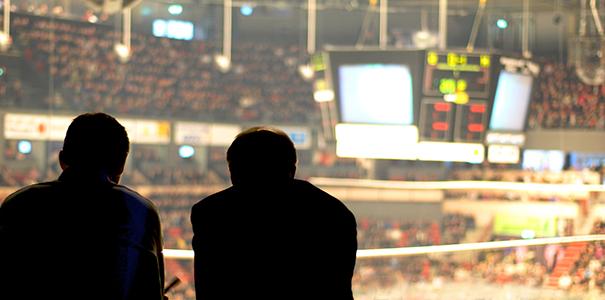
471	119
456	88
444	121
457	72
436	118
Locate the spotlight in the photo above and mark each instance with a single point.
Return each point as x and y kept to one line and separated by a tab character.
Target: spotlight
424	39
122	51
186	151
223	63
502	23
5	41
528	234
92	18
146	11
323	95
175	9
322	92
24	147
306	72
246	10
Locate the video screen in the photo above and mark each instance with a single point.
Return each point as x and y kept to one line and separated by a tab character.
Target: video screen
173	29
511	102
543	160
376	94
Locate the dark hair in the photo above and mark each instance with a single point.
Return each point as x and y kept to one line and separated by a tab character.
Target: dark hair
260	153
96	141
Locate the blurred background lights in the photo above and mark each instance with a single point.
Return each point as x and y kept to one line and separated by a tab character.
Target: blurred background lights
175	9
24	147
306	72
5	41
502	23
186	151
146	10
122	51
528	234
246	10
223	63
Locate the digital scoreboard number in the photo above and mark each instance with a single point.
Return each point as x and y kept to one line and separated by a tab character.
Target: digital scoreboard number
471	120
436	118
457	72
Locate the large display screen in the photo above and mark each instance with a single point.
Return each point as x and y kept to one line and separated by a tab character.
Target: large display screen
376	94
543	160
511	102
381	87
506	224
174	29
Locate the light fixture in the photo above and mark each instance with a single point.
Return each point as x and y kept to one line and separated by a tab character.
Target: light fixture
306	72
223	63
175	9
322	92
24	147
502	23
246	10
92	18
186	151
5	41
122	51
424	39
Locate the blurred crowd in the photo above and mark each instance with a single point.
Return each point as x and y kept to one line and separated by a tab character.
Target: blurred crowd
588	271
561	100
173	78
163	77
372	233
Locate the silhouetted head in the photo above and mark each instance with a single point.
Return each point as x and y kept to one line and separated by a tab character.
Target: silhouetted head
95	142
261	155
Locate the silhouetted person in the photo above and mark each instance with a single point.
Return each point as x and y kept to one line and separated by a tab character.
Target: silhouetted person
270	236
82	236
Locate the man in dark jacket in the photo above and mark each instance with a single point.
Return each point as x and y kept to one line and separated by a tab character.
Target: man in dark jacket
270	236
82	236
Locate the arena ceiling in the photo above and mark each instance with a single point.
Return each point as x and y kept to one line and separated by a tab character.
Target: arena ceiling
505	5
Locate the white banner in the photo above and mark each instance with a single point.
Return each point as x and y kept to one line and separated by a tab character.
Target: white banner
503	154
35	127
190	133
223	135
461	152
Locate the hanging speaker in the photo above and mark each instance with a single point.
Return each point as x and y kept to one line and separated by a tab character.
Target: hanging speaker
111	6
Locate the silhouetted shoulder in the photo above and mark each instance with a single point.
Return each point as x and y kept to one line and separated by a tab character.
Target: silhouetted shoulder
314	193
132	195
214	201
27	192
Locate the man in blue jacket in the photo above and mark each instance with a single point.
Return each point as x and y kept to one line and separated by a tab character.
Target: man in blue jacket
83	236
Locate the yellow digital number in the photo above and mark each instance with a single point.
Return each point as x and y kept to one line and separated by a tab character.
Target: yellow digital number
484	61
452	59
432	58
461	85
463	60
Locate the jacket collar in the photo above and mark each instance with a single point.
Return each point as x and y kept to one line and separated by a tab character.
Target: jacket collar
84	176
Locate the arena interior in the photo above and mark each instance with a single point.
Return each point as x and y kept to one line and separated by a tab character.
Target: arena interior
467	136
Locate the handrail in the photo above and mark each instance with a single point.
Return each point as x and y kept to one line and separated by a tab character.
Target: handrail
412	251
456	185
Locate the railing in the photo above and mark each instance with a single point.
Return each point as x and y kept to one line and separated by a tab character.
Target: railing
411	251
